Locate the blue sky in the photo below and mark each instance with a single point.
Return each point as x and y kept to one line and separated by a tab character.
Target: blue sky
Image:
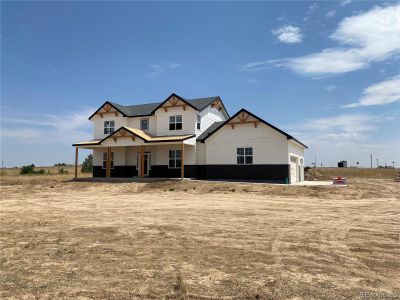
326	72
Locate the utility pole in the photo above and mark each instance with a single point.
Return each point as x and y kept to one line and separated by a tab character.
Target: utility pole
371	160
315	160
393	164
377	163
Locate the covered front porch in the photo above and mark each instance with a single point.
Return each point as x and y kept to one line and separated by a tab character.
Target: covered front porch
127	154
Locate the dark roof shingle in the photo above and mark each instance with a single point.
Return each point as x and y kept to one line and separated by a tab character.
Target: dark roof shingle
209	130
136	110
147	109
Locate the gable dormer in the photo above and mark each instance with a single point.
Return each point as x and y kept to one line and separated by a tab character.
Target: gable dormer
174	101
107	119
243	117
107	108
175	116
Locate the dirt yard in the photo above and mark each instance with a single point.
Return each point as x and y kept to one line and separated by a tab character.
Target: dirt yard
197	240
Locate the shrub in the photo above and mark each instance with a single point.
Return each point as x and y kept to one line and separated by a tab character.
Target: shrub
27	169
62	171
30	169
87	165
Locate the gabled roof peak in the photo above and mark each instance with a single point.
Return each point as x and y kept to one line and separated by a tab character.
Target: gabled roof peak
219	125
148	109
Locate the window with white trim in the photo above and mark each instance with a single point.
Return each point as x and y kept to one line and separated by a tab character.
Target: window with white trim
198	123
144	124
175	122
105	160
175	159
109	127
244	156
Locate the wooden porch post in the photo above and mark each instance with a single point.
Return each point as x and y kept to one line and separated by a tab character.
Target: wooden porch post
108	163
76	162
142	161
183	161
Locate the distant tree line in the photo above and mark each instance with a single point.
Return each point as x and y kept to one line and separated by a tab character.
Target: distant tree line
87	167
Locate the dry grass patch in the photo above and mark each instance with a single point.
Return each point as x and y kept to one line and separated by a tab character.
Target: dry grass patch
61	239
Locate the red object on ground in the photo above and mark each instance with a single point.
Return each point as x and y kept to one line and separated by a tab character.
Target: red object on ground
339	180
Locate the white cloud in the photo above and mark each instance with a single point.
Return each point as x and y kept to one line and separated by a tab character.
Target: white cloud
345	2
330	88
21	134
329	61
157	69
288	34
364	39
256	66
65	129
380	93
330	13
341	127
312	8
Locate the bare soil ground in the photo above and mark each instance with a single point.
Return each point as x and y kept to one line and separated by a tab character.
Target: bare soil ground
61	239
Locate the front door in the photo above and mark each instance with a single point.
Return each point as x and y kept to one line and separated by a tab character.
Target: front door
147	163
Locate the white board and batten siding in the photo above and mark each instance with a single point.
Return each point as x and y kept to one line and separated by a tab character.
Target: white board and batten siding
98	124
188	120
201	153
209	116
134	122
269	146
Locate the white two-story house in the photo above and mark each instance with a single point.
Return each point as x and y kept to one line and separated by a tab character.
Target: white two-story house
194	138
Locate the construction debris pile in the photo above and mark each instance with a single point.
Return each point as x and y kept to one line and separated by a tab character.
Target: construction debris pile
312	174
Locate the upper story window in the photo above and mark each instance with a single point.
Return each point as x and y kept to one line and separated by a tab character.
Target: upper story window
245	156
144	124
198	123
109	127
175	122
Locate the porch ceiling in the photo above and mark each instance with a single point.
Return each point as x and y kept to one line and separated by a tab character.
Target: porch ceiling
151	138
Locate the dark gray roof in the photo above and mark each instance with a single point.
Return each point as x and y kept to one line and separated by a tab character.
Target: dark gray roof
136	110
201	103
210	129
147	109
